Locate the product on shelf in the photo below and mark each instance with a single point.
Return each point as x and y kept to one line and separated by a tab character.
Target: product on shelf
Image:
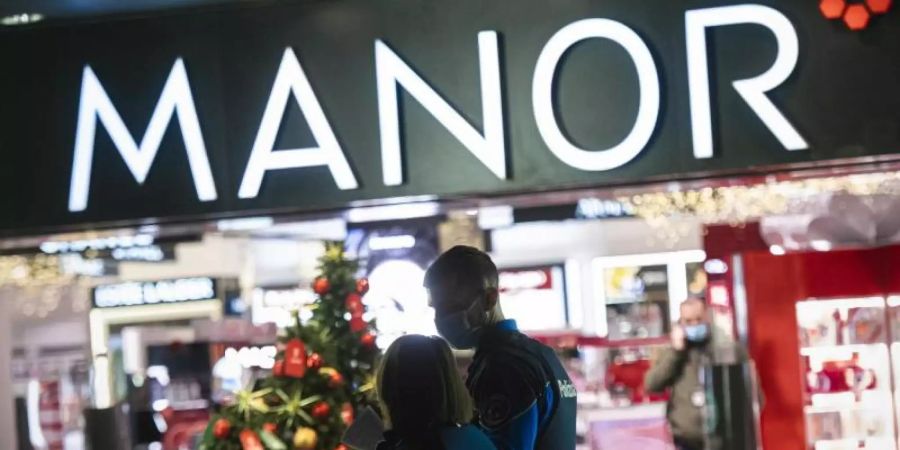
841	376
824	426
866	325
844	350
818	329
894	320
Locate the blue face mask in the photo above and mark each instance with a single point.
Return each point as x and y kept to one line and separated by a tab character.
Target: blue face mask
462	328
696	333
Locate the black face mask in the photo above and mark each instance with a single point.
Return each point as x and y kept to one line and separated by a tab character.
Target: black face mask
463	328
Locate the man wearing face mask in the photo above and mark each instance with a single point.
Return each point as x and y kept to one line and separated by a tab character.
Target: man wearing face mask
523	396
680	369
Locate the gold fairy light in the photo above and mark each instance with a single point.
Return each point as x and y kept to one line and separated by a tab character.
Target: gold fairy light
740	204
40	279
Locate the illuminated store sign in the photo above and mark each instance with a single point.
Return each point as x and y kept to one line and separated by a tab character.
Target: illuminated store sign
154	292
311	114
97	244
488	147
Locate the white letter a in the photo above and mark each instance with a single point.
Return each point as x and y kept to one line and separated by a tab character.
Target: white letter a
292	79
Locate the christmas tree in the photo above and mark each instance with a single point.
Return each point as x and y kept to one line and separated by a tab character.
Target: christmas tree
323	373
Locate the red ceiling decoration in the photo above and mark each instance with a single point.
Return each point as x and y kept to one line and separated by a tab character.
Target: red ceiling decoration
855	15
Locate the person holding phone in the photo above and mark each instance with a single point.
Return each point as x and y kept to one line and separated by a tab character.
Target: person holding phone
679	368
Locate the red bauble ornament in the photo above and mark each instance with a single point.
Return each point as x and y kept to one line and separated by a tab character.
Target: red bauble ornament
367	340
335	380
347	414
314	361
250	440
278	368
362	286
321	286
357	324
270	427
321	410
221	428
341	447
354	304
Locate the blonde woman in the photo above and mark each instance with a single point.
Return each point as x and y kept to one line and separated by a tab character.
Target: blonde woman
425	404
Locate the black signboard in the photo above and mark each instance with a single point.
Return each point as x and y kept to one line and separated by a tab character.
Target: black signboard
344	100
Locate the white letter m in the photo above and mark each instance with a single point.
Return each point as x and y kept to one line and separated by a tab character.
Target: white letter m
95	103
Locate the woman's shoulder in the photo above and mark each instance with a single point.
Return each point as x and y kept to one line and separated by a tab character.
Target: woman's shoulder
466	437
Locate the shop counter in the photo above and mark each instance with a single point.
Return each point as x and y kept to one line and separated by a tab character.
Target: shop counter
637	427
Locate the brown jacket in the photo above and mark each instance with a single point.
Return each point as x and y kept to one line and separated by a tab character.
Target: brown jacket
680	372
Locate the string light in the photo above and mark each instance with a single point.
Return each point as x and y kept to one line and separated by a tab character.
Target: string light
41	280
737	205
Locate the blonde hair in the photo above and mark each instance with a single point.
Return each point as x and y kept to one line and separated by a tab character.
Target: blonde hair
419	387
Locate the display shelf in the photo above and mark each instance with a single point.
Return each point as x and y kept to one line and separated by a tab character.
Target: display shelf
837	409
848	399
839	349
859	407
847	444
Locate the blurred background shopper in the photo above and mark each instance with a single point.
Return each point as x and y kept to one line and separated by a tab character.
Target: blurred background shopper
683	369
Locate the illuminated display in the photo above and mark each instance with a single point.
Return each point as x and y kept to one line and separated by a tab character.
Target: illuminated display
154	292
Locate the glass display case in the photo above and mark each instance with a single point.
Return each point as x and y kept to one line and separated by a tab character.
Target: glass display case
848	386
638	296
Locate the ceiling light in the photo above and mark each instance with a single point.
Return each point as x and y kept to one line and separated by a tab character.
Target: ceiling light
21	19
821	245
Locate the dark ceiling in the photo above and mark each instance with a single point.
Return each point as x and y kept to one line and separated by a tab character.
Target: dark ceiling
55	10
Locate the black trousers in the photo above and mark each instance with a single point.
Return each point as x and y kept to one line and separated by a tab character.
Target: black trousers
682	445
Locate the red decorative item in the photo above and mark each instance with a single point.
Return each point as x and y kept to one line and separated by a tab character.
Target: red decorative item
250	440
221	428
354	304
357	324
362	286
168	414
295	359
321	410
347	414
335	380
367	340
314	361
341	447
321	286
278	368
832	9
879	6
856	17
270	427
176	346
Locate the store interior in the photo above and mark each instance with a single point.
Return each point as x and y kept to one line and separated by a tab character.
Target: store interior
172	319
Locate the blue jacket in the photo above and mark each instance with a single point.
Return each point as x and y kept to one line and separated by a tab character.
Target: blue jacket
449	437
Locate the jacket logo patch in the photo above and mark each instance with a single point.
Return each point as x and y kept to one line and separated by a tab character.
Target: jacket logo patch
497	412
567	389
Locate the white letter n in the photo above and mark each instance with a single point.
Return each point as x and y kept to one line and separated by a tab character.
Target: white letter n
391	70
95	103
